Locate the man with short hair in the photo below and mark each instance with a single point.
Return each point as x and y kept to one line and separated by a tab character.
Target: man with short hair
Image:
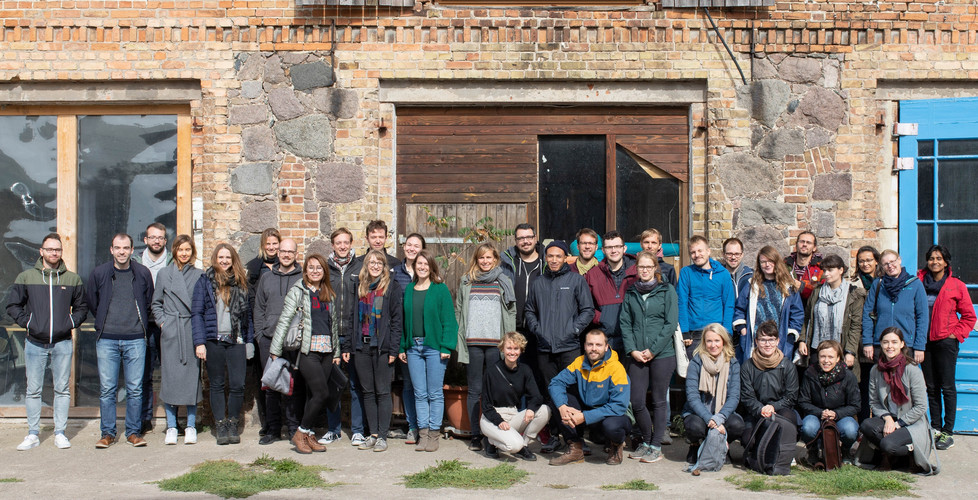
587	245
599	399
523	263
49	302
120	292
608	283
705	293
805	264
733	255
377	240
651	240
269	300
155	257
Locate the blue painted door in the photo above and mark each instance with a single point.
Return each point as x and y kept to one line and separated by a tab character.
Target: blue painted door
938	204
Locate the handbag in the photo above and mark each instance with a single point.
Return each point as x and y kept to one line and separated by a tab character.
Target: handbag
278	376
337	382
293	338
682	361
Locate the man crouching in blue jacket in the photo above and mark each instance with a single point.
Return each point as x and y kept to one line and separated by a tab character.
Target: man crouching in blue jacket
600	401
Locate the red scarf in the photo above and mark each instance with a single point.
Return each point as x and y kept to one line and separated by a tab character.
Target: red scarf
892	371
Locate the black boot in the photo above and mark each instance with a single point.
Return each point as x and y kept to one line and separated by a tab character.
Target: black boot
222	432
692	454
233	436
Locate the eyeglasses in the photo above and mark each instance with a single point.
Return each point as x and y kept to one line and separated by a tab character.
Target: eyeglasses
891	263
645	268
374	263
587	244
767	341
732	254
156	238
52	250
525	238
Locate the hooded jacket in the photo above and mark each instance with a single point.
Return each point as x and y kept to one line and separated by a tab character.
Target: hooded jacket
741	275
705	296
852	323
343	304
558	309
203	315
603	387
98	292
907	311
48	303
513	267
270	295
953	300
650	323
812	275
791	320
606	297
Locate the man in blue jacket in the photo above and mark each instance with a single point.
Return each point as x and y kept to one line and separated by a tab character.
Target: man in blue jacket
706	294
119	292
599	400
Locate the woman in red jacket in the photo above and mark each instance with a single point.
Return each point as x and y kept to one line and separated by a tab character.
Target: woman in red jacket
952	317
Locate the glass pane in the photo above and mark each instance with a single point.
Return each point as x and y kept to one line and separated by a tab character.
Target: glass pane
127	179
953	147
644	201
925	148
28	211
959	239
956	180
572	185
925	189
925	238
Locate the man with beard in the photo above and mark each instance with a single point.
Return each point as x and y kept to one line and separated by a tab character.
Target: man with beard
805	264
523	263
705	293
154	257
733	255
587	245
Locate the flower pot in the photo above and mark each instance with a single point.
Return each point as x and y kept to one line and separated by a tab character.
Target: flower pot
455	409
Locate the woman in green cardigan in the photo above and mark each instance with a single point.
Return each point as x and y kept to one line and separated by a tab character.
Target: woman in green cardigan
430	334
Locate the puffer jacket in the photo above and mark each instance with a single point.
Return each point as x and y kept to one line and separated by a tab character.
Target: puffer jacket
603	386
606	297
558	309
270	295
953	300
650	323
203	315
48	303
842	397
777	387
701	403
298	296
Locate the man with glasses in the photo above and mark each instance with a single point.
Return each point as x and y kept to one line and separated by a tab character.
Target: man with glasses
119	292
805	263
155	257
651	240
49	302
587	245
523	263
608	283
733	255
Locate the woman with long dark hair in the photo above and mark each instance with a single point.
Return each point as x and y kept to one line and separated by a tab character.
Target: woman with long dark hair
221	318
770	295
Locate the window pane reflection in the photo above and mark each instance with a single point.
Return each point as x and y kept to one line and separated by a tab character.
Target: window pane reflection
572	185
956	180
644	201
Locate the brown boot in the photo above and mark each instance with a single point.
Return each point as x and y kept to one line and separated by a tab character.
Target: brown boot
615	453
574	455
422	440
301	442
313	444
433	438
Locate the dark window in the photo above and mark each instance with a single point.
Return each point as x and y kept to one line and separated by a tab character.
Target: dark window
925	189
956	180
646	198
572	185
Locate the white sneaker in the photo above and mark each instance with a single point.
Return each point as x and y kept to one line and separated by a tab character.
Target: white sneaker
61	441
190	435
171	436
329	437
31	441
357	439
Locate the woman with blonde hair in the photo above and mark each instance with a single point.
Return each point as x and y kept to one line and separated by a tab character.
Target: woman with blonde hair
770	295
220	316
485	308
712	390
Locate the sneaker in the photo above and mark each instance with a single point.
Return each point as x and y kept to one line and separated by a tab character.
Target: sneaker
526	454
640	451
552	445
369	443
31	441
329	437
357	439
61	441
396	434
381	445
136	440
171	436
268	438
945	441
475	444
493	452
654	455
585	447
412	436
106	441
190	435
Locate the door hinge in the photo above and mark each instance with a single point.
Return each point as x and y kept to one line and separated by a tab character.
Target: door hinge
903	163
902	129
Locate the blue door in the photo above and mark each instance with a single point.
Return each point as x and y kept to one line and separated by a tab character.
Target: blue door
939	204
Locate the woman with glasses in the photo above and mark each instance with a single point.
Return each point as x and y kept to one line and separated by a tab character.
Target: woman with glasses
896	299
768	381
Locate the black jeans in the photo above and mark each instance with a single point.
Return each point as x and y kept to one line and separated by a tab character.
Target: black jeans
940	361
278	405
221	356
550	364
696	428
895	444
481	358
658	373
315	368
614	429
695	336
374	371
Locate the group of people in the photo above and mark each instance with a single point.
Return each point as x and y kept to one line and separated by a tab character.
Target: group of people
555	345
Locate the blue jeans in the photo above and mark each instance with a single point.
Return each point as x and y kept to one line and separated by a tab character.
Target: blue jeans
36	358
427	371
848	429
132	354
151	363
171	415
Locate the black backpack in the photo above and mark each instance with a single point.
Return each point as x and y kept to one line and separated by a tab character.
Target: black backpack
771	446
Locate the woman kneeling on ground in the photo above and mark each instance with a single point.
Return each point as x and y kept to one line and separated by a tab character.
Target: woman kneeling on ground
712	390
506	383
768	381
829	391
898	395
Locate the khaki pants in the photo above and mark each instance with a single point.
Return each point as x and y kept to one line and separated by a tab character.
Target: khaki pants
520	432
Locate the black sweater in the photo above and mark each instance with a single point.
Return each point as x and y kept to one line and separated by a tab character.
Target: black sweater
505	388
841	397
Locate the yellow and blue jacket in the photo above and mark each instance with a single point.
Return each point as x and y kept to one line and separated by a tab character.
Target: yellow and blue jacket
603	387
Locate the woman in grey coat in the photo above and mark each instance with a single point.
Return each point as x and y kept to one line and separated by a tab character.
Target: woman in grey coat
898	399
180	368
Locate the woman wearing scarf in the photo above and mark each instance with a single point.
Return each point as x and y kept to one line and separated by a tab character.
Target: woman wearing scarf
430	335
952	316
896	299
220	316
179	368
712	390
768	381
648	319
377	323
834	312
867	269
897	395
828	392
485	309
770	295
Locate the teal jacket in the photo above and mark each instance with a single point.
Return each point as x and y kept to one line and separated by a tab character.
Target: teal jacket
650	323
441	329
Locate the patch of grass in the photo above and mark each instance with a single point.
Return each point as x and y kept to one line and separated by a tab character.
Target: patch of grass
844	481
558	486
11	480
230	479
634	484
456	474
